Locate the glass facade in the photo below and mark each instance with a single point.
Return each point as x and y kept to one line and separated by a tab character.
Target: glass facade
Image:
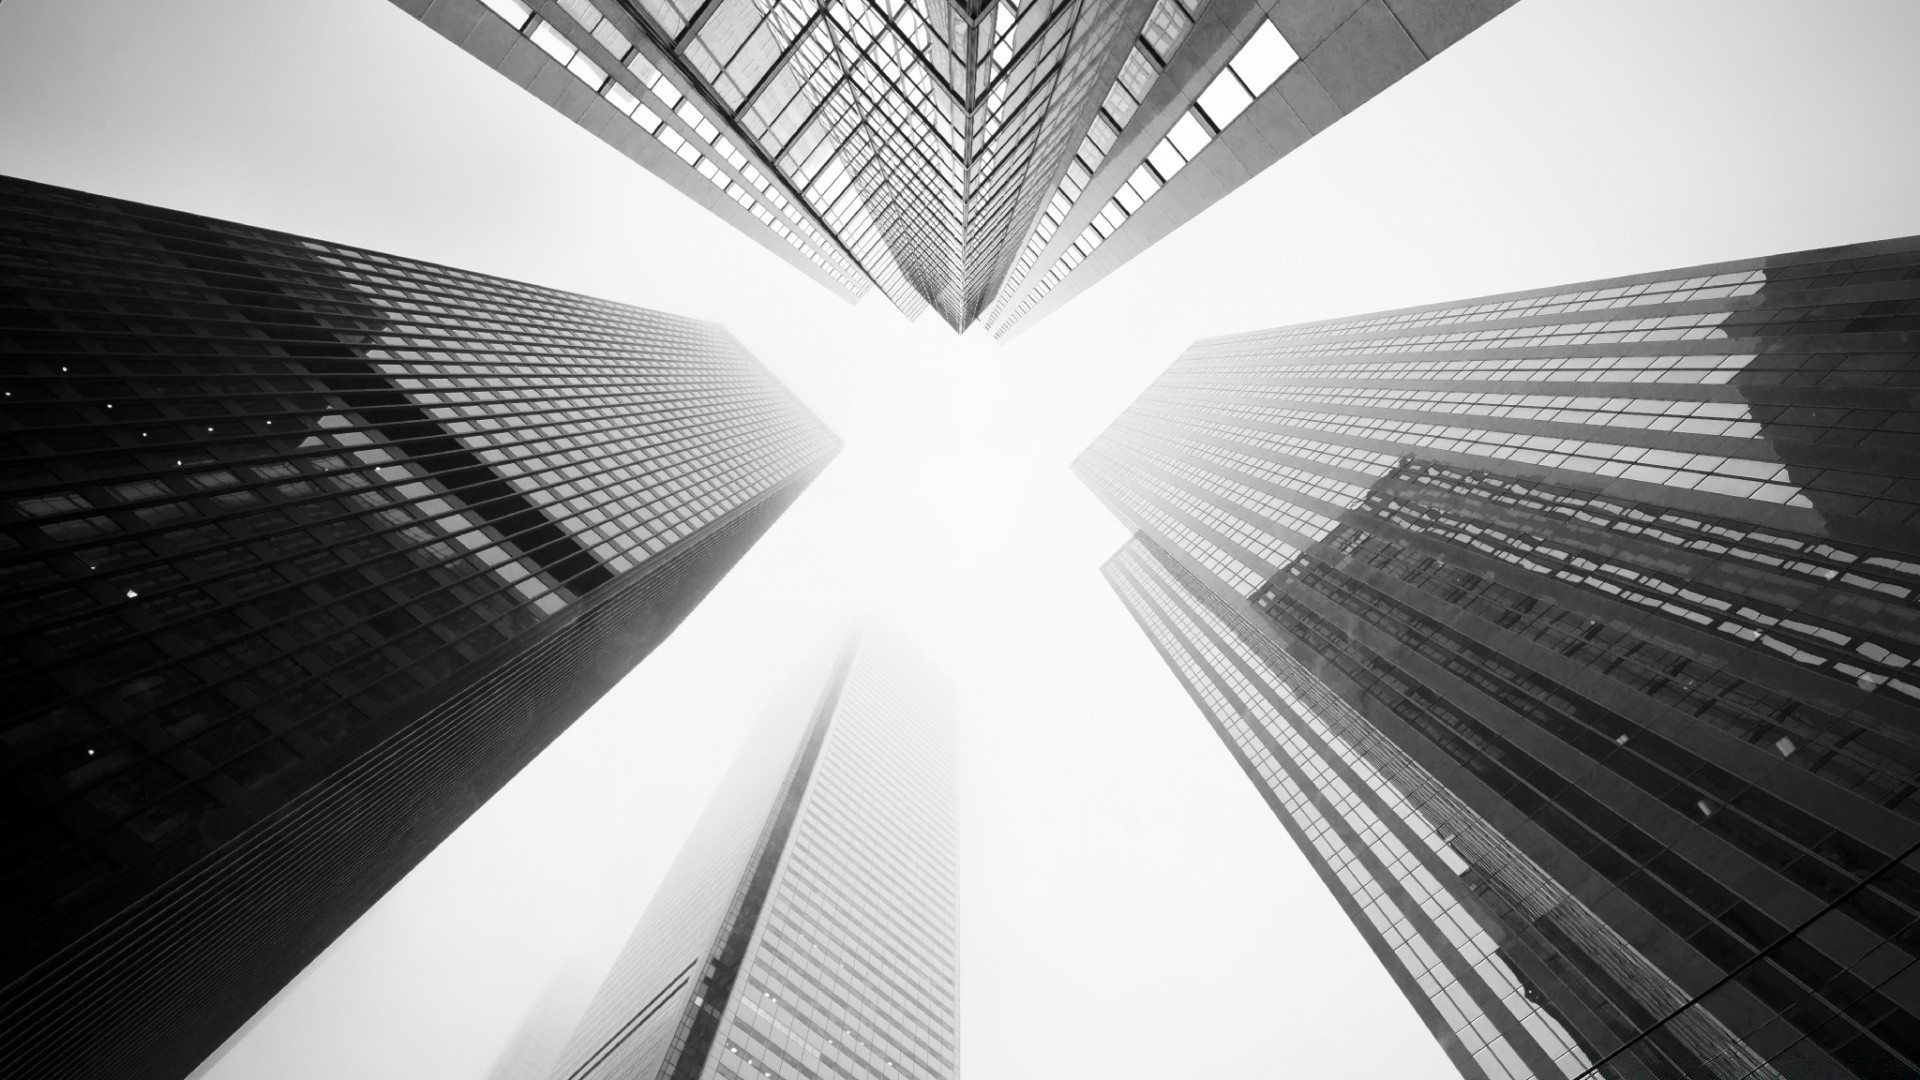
964	154
1627	570
807	929
306	549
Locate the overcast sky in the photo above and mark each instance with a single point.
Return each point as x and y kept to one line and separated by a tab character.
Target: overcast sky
1130	909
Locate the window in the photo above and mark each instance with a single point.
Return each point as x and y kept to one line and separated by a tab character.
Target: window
1224	100
1188	137
1264	58
514	11
553	42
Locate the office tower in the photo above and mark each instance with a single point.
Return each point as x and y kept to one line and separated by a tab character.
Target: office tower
806	930
1569	633
990	159
306	551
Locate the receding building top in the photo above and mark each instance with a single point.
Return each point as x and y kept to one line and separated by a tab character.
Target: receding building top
991	159
807	928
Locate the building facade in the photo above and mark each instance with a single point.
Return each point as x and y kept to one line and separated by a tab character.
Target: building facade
1568	632
807	929
306	551
970	155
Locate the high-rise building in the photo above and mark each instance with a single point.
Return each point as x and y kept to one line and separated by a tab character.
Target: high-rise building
304	551
1569	633
806	930
991	159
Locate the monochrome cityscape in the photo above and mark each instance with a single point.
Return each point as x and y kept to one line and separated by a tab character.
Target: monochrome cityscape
469	612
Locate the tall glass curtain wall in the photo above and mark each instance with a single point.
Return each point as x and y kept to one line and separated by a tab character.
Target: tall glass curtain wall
276	513
964	154
807	929
1624	573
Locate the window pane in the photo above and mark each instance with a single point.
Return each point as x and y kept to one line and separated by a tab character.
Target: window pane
587	71
1165	27
1224	100
1143	182
1188	136
1264	57
622	98
1166	159
553	42
1138	74
513	11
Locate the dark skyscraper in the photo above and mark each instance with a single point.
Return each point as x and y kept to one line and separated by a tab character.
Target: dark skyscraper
807	929
306	550
1569	633
967	154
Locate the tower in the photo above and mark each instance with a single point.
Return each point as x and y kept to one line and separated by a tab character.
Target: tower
1568	632
807	928
307	550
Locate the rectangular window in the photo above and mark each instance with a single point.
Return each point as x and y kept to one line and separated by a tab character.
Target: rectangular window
515	12
553	42
1265	57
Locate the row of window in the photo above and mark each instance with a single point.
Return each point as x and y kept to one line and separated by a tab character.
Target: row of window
1858	1027
1257	66
1372	864
741	181
1211	363
1721	286
1608	975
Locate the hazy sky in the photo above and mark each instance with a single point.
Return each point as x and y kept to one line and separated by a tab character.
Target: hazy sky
1130	909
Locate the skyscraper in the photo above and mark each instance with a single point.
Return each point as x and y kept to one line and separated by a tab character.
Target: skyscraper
807	929
991	159
306	551
1569	633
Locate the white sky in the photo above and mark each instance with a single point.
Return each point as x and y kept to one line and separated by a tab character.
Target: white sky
1130	909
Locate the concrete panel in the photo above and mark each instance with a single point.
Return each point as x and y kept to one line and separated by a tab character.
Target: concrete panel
1249	147
549	82
523	61
573	99
1369	53
1310	102
1307	23
1436	24
490	40
455	19
1278	124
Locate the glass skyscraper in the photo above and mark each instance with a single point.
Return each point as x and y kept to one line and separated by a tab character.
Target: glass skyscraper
807	929
1569	634
306	550
991	159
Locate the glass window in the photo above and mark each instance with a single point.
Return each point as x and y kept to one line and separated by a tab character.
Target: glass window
1165	27
1166	160
1264	58
1143	182
622	98
513	11
586	70
553	42
1224	100
1138	74
1189	137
